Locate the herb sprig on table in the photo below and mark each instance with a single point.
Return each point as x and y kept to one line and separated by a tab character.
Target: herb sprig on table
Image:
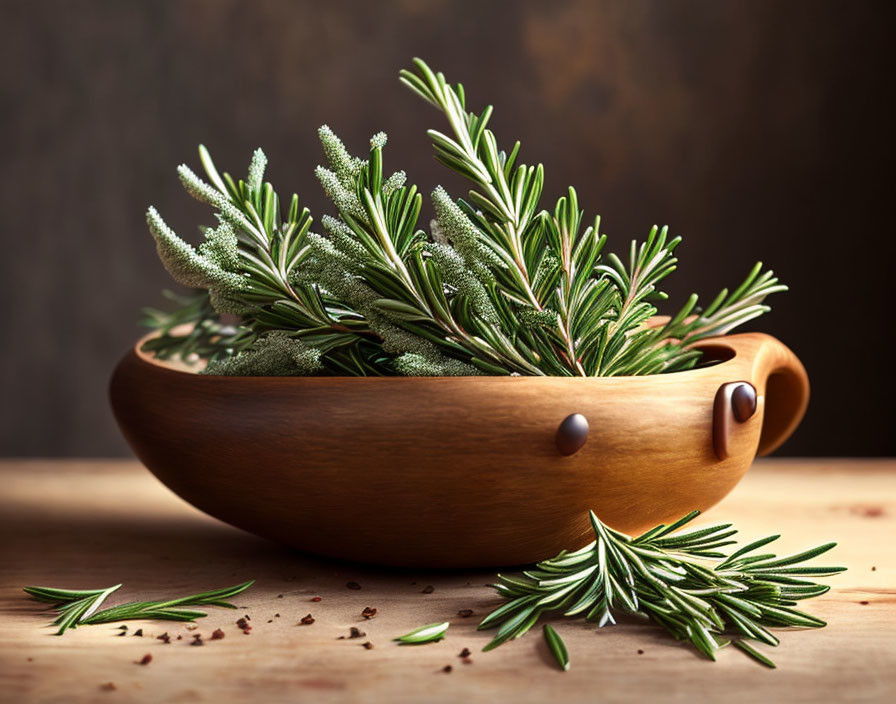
681	581
81	607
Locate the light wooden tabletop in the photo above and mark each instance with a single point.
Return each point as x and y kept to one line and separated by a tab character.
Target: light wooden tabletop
88	524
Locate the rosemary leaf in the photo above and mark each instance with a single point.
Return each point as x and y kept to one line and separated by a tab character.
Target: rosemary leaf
755	654
425	634
556	646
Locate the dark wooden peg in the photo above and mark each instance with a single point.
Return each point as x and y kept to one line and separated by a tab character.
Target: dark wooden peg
572	434
743	402
735	402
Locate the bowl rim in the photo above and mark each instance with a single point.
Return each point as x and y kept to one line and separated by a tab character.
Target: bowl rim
725	345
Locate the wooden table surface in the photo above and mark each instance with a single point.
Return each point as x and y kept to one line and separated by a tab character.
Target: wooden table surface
88	524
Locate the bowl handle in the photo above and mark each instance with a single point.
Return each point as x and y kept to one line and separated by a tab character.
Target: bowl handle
779	376
776	376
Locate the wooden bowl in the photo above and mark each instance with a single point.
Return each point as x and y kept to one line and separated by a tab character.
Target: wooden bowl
458	471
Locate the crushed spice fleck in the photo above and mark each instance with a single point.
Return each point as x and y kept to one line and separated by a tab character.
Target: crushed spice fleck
447	668
352	585
368	612
108	686
165	638
145	660
217	634
197	640
353	632
315	598
307	620
367	646
465	613
139	632
465	653
428	589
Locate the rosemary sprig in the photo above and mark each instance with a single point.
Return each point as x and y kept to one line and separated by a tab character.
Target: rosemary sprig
679	580
193	331
425	634
500	285
80	607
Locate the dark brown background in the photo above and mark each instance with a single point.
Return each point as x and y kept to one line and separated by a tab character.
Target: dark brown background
755	129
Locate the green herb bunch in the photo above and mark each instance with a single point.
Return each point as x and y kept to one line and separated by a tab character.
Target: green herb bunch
500	285
680	581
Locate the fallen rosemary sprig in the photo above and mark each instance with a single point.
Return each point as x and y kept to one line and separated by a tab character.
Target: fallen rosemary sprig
425	634
80	607
670	578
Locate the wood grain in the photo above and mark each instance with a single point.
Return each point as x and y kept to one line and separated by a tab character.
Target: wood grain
451	472
92	523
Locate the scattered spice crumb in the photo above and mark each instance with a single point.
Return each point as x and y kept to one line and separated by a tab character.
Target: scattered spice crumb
192	627
276	615
165	638
368	645
145	660
864	603
315	598
217	634
465	653
122	628
467	661
447	668
270	620
30	659
465	613
108	686
243	623
139	632
197	640
352	585
121	633
279	596
179	637
640	652
353	633
428	589
307	620
247	617
874	569
368	612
